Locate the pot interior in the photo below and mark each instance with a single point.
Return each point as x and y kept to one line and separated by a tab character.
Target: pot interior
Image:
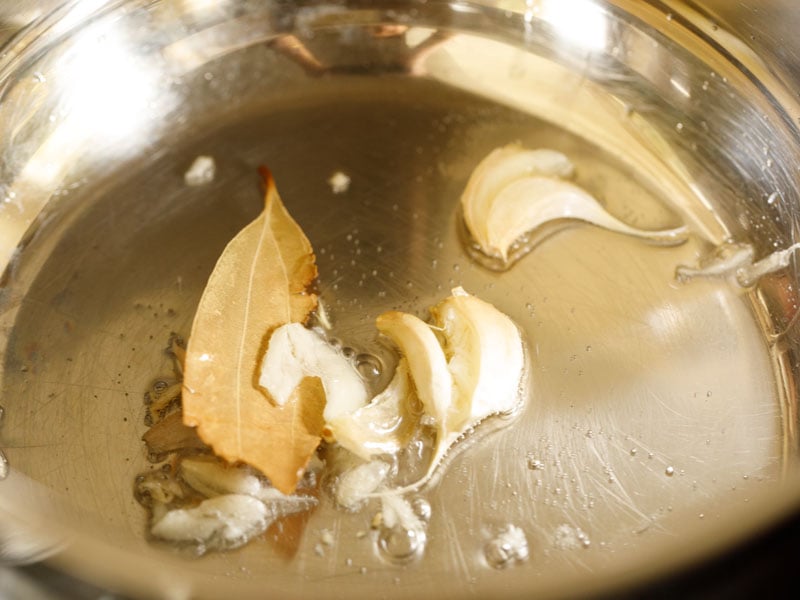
661	413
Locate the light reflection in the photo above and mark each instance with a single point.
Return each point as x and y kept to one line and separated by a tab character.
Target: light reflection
681	87
109	90
108	98
581	22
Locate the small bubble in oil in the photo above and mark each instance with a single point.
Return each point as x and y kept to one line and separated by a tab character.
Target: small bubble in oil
534	464
369	366
398	544
506	549
422	508
669	471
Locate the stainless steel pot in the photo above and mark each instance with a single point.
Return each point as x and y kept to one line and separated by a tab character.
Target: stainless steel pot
664	418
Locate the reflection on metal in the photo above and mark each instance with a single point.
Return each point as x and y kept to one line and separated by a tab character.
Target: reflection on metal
582	24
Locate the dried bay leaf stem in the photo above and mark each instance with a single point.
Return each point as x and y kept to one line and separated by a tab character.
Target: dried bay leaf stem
259	283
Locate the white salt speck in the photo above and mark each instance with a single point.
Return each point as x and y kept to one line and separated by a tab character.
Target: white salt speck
339	182
201	172
326	537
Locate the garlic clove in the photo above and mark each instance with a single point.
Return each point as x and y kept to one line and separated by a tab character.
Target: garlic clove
385	425
501	167
486	358
426	361
482	363
222	522
530	203
514	192
294	353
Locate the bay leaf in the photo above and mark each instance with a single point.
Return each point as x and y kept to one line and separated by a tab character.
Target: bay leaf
259	283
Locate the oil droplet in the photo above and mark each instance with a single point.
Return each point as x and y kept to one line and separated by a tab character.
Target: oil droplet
567	537
509	547
669	471
534	464
401	545
369	366
3	465
422	508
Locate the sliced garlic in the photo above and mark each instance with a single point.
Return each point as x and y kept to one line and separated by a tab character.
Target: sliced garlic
222	522
471	370
426	360
514	192
478	373
385	425
295	352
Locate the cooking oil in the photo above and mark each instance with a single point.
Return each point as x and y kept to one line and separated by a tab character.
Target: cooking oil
622	356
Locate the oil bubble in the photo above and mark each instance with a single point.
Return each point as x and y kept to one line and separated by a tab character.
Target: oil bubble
399	544
508	547
534	464
369	366
422	508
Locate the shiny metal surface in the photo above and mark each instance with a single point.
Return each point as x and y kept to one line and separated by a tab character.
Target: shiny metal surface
664	415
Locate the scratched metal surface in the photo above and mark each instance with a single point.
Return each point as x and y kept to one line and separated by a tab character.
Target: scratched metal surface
657	412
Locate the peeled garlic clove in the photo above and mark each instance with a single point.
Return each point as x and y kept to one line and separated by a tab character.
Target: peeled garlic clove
532	202
426	360
501	167
385	425
222	522
487	358
482	362
294	353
